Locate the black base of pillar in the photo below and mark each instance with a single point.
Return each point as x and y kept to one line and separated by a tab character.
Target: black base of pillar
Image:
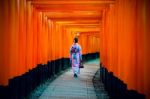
21	86
116	88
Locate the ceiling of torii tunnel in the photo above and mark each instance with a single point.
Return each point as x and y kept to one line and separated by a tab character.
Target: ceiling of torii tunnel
76	15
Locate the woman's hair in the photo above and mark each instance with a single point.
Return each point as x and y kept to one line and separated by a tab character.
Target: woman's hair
76	40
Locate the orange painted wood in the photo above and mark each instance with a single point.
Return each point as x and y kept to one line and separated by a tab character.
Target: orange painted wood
124	43
34	33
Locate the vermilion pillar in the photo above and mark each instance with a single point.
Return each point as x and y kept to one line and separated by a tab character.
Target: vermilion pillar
124	43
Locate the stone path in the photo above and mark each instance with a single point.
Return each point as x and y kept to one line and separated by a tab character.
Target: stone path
67	87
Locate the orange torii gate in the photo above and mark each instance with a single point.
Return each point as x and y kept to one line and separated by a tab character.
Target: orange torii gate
37	31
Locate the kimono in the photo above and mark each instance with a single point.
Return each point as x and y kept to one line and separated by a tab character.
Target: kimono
75	57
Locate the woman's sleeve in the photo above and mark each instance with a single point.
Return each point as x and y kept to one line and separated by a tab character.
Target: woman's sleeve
80	52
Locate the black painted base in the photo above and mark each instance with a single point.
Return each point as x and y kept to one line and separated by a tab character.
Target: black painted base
116	88
21	86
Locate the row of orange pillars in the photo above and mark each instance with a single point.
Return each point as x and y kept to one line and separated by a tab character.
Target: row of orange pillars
36	36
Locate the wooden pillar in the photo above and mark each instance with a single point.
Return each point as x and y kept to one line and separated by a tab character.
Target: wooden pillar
21	29
5	39
146	33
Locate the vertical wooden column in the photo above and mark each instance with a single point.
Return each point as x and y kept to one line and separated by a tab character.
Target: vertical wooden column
49	40
64	31
68	40
53	41
39	38
5	39
103	41
29	36
124	43
1	39
59	39
35	37
140	46
14	38
21	29
44	39
146	33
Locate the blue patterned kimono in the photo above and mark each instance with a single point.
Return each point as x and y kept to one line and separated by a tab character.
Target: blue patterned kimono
75	57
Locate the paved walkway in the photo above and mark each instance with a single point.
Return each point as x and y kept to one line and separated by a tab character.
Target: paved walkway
67	87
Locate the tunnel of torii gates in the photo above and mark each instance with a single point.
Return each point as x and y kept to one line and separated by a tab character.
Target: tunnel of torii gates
37	31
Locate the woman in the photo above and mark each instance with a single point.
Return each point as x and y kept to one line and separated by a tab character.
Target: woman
75	57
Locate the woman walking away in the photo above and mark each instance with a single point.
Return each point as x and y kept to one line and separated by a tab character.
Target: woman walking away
75	57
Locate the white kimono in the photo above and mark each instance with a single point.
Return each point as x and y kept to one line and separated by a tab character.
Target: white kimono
75	57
